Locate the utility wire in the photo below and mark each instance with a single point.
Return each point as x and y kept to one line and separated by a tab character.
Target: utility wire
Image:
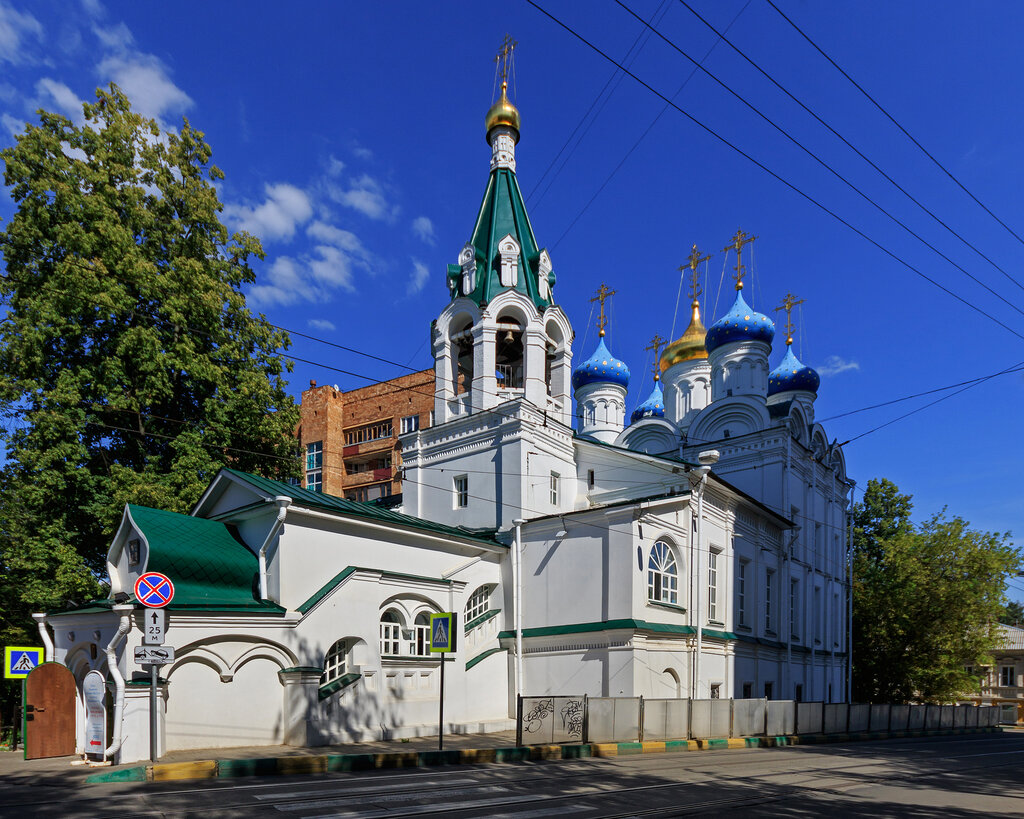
891	119
776	176
820	161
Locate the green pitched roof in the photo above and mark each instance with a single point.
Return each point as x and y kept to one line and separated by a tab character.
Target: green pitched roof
503	212
210	566
369	511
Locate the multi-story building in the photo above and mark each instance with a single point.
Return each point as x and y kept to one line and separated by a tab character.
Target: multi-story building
1002	683
349	440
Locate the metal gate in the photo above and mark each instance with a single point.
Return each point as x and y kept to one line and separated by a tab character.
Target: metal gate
50	695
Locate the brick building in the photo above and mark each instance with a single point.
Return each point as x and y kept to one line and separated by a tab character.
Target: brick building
350	439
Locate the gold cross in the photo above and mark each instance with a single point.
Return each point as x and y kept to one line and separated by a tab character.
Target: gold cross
738	241
695	259
602	293
656	344
788	304
504	56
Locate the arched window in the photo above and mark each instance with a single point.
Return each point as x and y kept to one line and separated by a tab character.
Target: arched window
421	647
390	633
335	662
479	603
662	575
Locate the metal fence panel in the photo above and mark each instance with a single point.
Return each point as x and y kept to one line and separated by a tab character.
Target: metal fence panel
932	715
748	718
700	719
879	720
721	717
899	717
836	714
781	716
860	717
548	720
613	719
946	717
808	717
1007	714
627	719
915	720
992	716
972	717
960	716
666	719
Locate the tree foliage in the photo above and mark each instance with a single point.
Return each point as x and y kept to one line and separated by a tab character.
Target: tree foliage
926	599
131	369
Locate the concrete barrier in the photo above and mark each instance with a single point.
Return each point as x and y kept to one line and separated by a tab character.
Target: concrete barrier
809	717
879	718
915	721
932	717
781	718
748	718
946	716
960	716
666	719
613	719
860	717
836	716
899	716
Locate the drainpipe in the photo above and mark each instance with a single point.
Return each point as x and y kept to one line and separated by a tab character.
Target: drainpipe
283	502
125	611
517	584
44	632
698	483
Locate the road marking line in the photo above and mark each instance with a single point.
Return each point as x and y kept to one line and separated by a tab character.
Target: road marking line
384	787
401	797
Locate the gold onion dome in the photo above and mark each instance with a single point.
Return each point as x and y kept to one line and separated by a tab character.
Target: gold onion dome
689	346
503	112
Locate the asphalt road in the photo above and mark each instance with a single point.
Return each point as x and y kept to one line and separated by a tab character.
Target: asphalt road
936	777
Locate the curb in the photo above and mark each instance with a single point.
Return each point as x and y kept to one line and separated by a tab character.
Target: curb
337	763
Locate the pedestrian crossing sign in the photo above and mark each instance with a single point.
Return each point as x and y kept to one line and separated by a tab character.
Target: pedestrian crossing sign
19	660
442	632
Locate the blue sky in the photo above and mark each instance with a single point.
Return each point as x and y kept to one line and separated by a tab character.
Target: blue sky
351	136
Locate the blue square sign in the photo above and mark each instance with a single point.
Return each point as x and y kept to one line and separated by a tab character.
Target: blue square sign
19	660
442	632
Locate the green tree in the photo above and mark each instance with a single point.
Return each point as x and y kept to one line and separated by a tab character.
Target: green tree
131	369
926	599
1013	614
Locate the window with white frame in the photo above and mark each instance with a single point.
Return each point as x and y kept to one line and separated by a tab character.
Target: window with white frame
335	662
741	592
769	590
662	575
421	628
390	634
314	465
553	487
410	423
1006	676
479	603
461	496
713	557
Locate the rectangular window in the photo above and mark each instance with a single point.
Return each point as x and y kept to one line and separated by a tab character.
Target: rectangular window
769	689
713	585
390	638
798	694
748	691
410	423
590	479
769	584
553	486
360	493
431	418
741	592
315	481
1006	676
315	455
422	647
794	609
716	691
368	432
461	491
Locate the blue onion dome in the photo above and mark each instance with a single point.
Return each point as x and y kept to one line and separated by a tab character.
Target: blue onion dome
741	323
653	407
792	375
601	367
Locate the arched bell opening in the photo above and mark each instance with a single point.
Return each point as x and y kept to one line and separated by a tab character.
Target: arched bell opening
508	354
462	357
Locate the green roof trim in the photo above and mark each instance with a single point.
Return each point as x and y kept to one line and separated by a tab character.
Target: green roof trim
604	625
334	686
483	618
304	669
367	511
719	635
481	657
345	573
210	565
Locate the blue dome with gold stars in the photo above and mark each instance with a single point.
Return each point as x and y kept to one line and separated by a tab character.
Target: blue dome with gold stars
601	367
792	375
653	407
741	323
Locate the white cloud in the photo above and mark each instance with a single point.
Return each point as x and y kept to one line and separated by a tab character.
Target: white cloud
14	27
335	166
835	364
362	153
344	239
64	98
94	8
144	79
419	277
13	125
321	324
366	195
282	284
424	229
286	207
116	38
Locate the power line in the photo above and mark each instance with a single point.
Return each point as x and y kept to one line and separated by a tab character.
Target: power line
822	162
776	176
848	144
891	119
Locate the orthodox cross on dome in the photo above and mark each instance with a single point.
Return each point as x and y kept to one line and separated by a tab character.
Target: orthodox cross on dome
503	59
603	293
694	259
656	344
738	241
788	303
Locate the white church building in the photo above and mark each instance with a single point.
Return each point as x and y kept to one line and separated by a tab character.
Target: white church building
696	551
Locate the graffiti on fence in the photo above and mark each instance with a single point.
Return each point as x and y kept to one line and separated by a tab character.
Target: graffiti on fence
536	716
572	718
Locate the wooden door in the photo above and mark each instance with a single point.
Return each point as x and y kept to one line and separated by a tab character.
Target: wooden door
50	694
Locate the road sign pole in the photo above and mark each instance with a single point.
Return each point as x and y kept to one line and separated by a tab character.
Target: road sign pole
440	716
154	671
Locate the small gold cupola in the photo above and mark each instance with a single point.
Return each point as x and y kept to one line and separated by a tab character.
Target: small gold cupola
503	114
690	345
